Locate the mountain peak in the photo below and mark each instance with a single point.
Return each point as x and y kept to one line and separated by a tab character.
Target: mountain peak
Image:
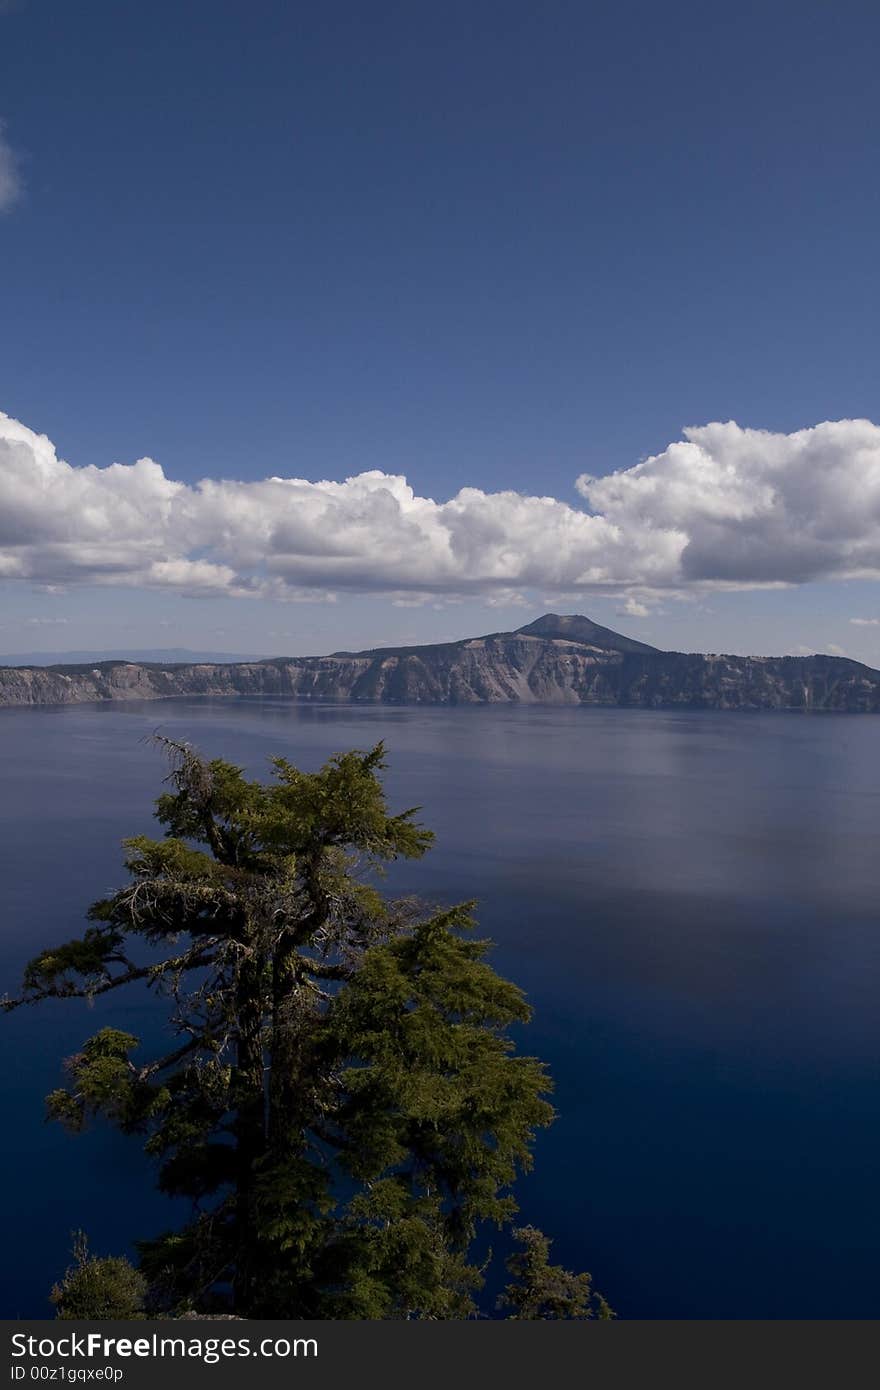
574	627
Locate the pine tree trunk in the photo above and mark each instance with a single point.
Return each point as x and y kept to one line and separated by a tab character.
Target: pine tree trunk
250	1129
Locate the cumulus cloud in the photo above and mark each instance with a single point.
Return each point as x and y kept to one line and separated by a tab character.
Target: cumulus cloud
724	507
865	622
632	607
10	178
750	507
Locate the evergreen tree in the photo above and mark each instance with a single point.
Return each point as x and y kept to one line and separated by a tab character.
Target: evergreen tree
341	1104
95	1286
540	1290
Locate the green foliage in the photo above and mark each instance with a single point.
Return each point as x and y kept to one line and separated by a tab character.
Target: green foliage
430	1091
72	967
99	1287
342	1102
102	1080
545	1291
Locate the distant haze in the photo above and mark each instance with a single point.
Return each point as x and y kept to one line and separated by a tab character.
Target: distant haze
74	658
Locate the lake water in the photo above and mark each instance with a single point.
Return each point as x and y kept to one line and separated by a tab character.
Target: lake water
689	900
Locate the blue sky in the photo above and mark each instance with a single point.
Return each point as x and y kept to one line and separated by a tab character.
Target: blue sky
487	246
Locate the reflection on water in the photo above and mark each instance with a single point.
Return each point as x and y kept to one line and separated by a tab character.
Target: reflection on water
689	900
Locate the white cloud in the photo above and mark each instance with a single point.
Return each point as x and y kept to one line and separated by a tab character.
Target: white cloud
633	608
10	178
725	507
865	622
748	507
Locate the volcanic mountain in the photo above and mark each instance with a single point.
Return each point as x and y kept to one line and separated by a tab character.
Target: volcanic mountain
555	660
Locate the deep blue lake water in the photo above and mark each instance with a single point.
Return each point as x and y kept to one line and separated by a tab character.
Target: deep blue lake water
689	900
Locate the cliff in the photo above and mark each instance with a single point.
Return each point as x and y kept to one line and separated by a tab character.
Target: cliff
556	660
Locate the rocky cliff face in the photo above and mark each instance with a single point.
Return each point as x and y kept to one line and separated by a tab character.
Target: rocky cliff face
556	660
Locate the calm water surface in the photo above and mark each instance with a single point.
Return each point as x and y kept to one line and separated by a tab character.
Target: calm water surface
690	901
